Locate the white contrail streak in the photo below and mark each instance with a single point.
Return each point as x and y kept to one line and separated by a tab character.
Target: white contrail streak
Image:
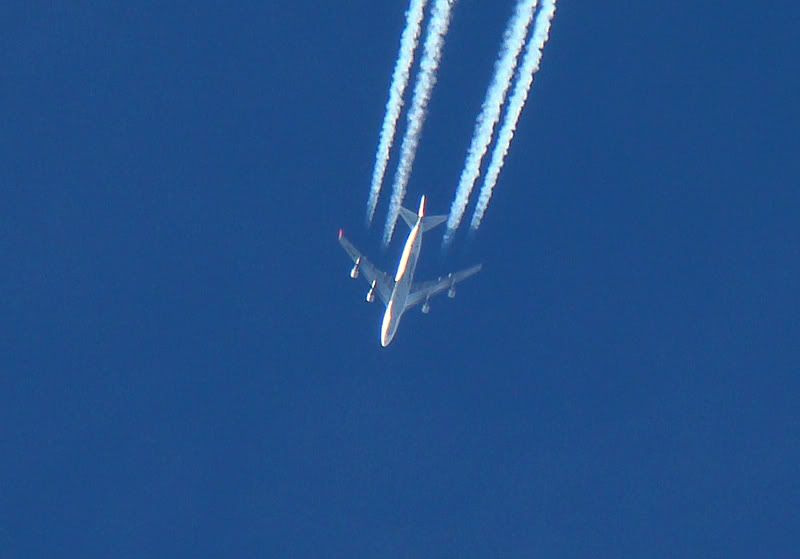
426	79
402	69
514	40
530	65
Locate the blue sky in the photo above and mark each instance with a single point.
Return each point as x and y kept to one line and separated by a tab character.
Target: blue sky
187	370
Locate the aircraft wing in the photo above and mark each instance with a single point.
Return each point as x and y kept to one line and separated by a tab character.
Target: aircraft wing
384	283
427	289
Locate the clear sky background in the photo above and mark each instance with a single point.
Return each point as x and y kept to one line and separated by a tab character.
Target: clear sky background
186	369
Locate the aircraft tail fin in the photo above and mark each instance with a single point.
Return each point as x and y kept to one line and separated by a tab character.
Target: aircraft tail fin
428	221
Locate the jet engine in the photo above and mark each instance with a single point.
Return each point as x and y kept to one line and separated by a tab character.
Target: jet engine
354	271
371	292
452	291
426	307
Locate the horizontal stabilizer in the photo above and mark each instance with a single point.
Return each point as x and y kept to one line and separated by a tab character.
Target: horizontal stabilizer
431	221
409	217
428	221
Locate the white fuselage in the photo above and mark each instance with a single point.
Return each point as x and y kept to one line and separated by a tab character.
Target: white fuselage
402	284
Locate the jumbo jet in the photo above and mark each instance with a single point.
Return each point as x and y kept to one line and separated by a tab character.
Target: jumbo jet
401	293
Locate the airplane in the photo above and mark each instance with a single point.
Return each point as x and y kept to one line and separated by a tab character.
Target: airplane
401	293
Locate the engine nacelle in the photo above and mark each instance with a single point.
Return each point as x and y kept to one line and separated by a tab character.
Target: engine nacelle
426	307
371	292
452	291
354	271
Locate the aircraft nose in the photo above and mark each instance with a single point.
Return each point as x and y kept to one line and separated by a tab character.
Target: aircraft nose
387	331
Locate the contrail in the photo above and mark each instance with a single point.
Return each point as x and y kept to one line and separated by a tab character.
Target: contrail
530	65
426	79
514	40
402	68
